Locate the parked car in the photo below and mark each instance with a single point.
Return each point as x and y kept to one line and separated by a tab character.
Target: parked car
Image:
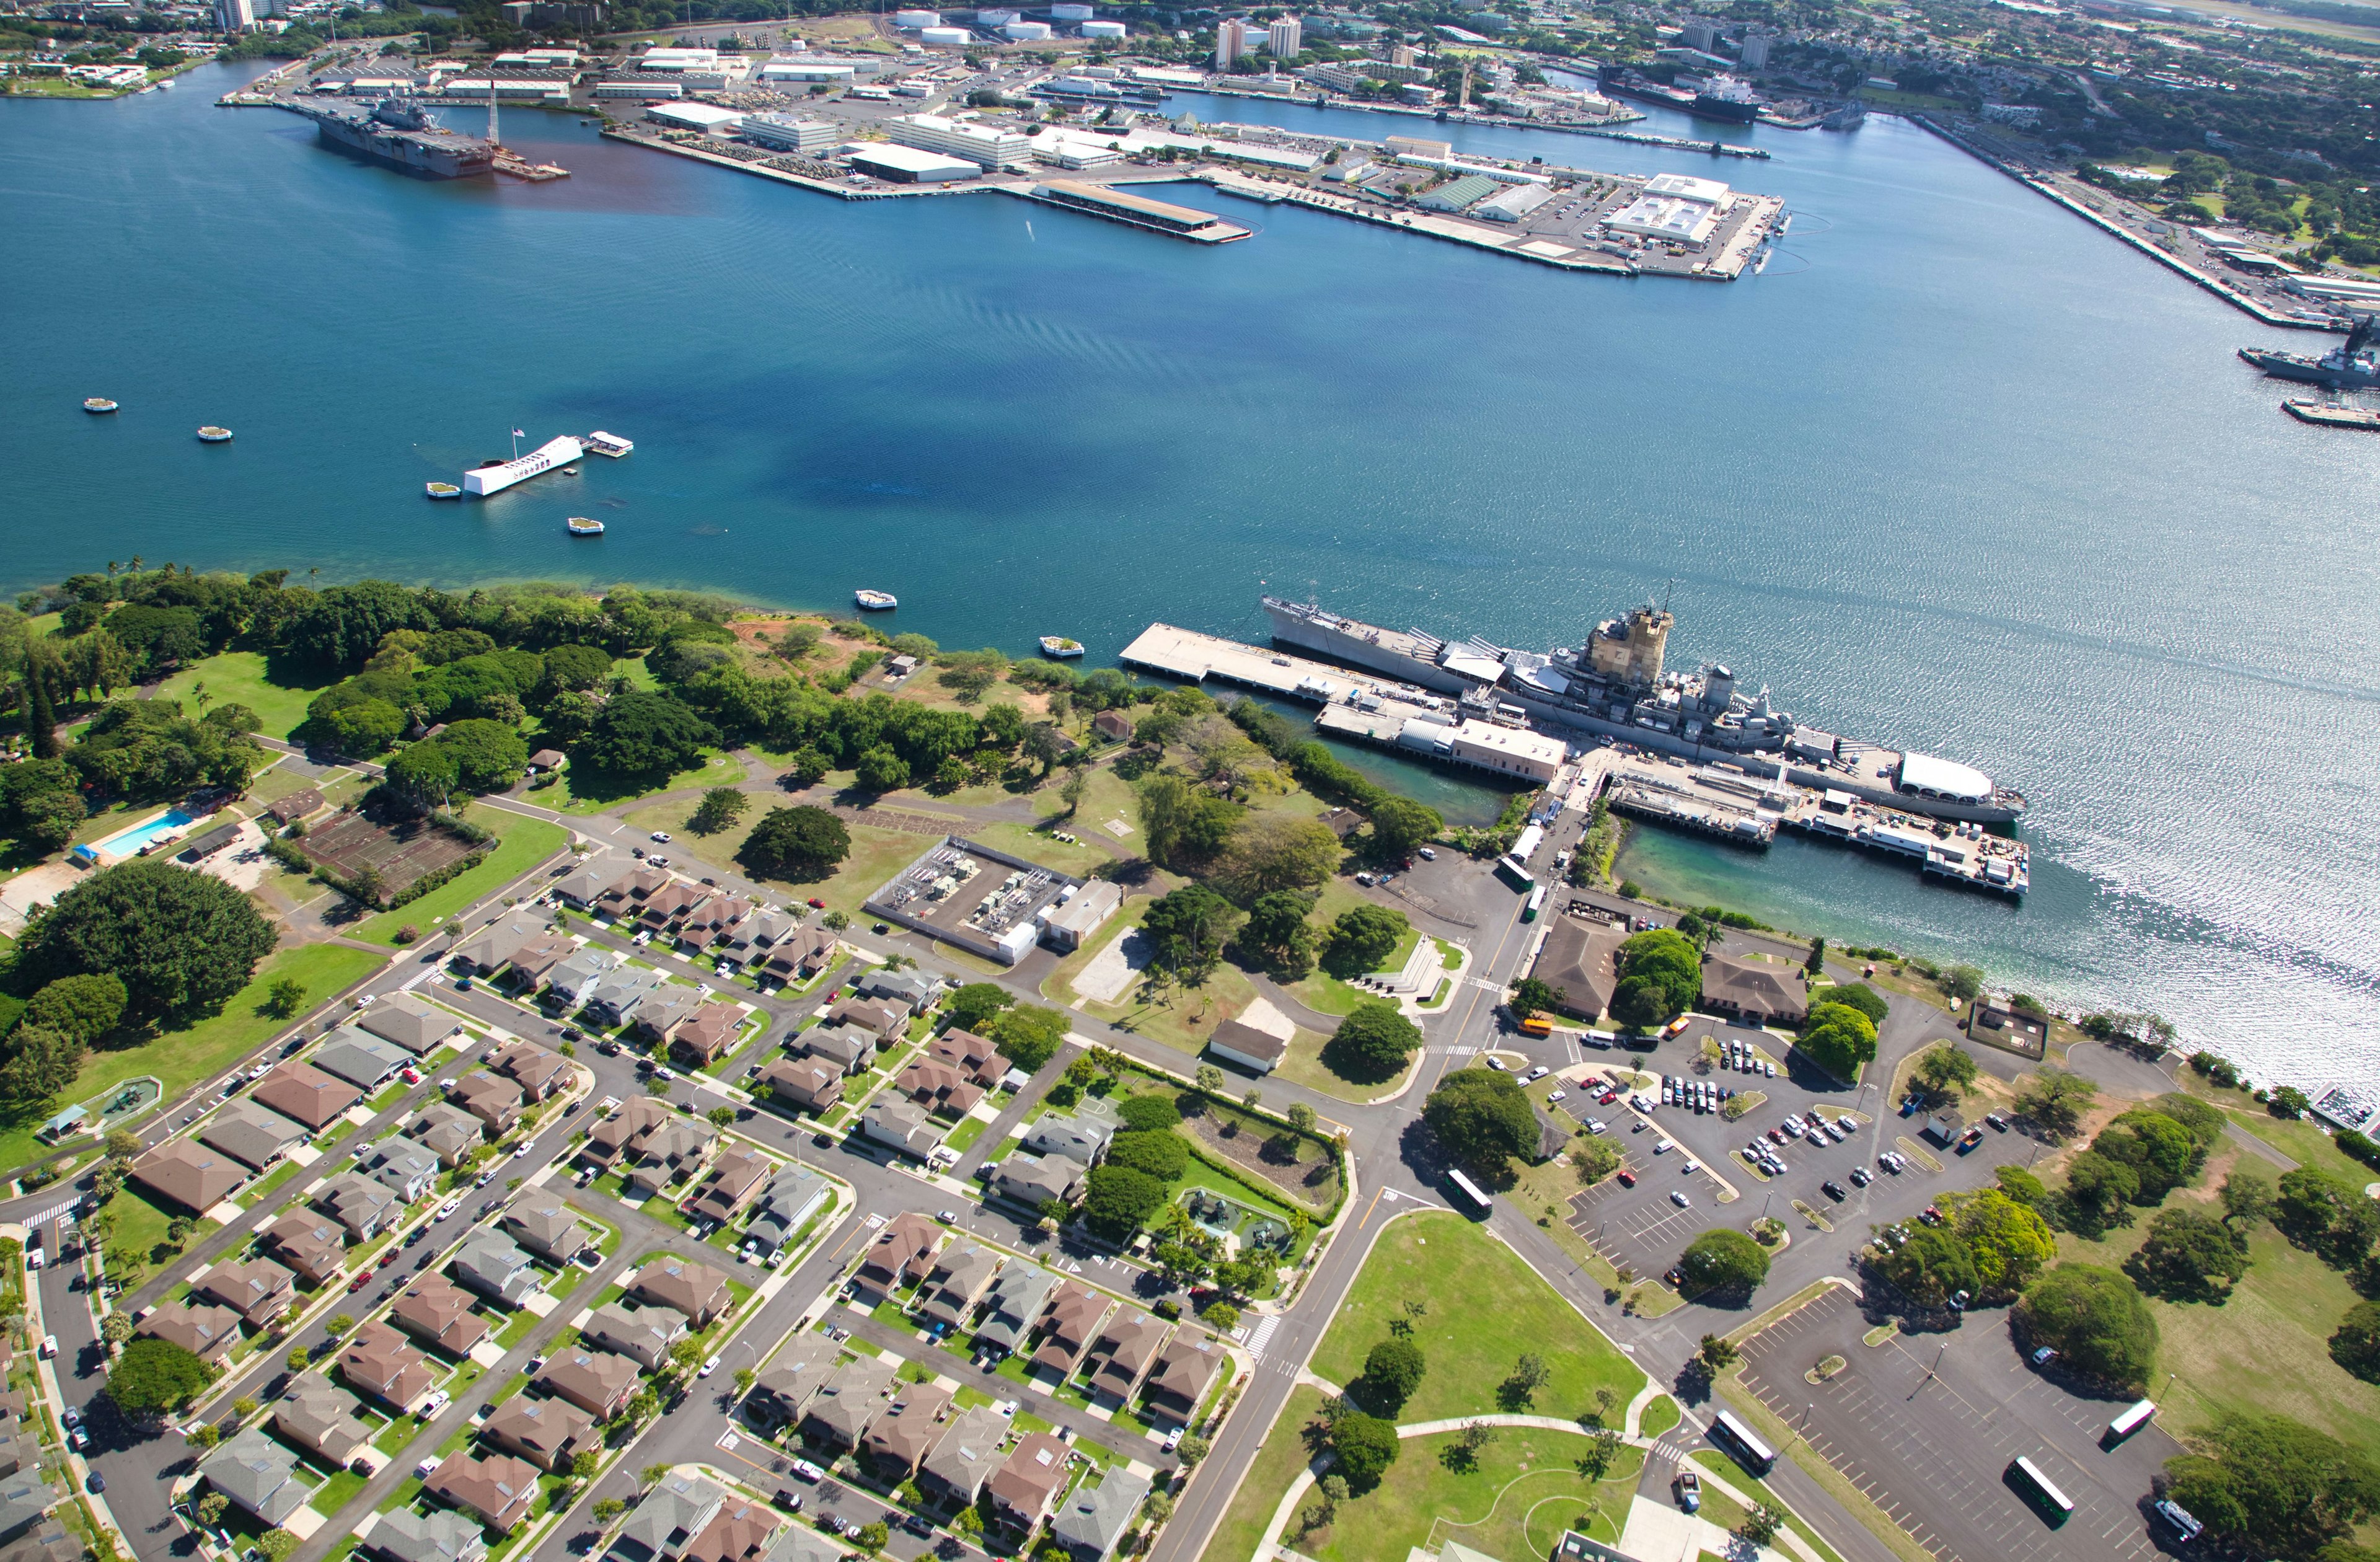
1833	1191
1627	1178
2044	1356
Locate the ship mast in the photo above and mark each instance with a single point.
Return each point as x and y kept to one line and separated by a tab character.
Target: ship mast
494	139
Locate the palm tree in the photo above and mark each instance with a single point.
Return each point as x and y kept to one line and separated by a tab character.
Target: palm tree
136	563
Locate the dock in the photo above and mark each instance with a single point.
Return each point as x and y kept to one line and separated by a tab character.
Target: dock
2331	416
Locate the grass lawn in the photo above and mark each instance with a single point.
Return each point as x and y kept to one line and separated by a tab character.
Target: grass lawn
181	1059
1181	1017
966	1134
1303	1064
337	1491
1658	1417
525	844
1038	846
583	792
1735	1475
1276	1465
1486	1308
238	677
140	1223
876	855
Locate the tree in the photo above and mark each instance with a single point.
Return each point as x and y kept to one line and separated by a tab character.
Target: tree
652	1474
1362	940
799	843
156	1377
2325	1217
1189	927
121	1332
2249	1198
340	1326
1531	996
85	1008
285	996
645	733
1277	934
1660	977
721	807
181	942
2355	1344
1839	1039
301	1359
1221	1315
1943	1072
1373	1043
1860	997
1480	1117
1147	1114
972	1006
1930	1268
1962	982
609	1509
1521	1384
40	1063
2268	1485
2095	1319
1367	1446
2053	1101
1760	1525
720	1116
574	669
1210	1079
1725	1261
1162	1155
1118	1199
1391	1373
882	769
1030	1035
1399	825
1301	1117
2006	1238
1716	1353
1268	852
1816	964
870	1538
2188	1257
211	1506
203	1436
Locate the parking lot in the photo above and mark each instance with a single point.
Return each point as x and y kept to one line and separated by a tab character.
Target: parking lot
1927	1426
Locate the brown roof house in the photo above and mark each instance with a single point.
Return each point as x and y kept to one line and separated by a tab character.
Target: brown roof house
448	1132
313	1246
1756	994
900	1251
1184	1370
1576	961
1068	1328
800	955
305	1093
547	1433
496	1489
259	1289
596	1381
1027	1483
960	1277
208	1333
980	1062
806	1083
739	1532
435	1310
188	1174
322	1418
898	1443
881	1021
734	1178
644	1336
377	1362
1258	1052
496	1102
939	1088
695	1289
538	1073
546	1227
707	1034
1124	1352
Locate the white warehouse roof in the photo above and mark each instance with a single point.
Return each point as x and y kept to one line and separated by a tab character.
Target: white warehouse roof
1685	187
1943	778
695	115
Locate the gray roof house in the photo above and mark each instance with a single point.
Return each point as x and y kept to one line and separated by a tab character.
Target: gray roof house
252	1135
849	1400
666	1521
911	989
545	1225
492	947
259	1290
1081	1139
363	1061
411	1022
616	998
839	1045
586	886
447	1132
1017	1298
785	1387
492	1266
442	1535
258	1474
664	1008
784	1206
407	1170
967	1456
959	1280
360	1205
1036	1182
643	1336
1090	1522
902	1125
574	978
800	1542
319	1416
671	1148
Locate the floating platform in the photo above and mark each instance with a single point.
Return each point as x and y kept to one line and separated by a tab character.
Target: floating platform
2332	417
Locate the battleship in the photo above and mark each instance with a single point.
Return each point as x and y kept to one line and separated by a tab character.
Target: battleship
403	136
1615	687
2354	364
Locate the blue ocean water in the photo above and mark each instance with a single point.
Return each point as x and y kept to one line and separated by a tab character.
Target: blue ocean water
1956	471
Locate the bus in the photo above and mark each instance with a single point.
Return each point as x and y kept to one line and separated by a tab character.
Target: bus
1537	1025
1469	1191
1537	903
1516	873
1742	1443
2043	1489
2131	1420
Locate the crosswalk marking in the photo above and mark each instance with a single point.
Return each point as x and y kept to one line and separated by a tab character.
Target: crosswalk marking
1260	1337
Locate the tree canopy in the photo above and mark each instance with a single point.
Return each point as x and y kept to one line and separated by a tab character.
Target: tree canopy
148	748
1367	1446
1162	1154
153	1377
2095	1319
1660	977
1277	934
797	844
1930	1268
1858	996
1189	927
1118	1199
2005	1238
1362	939
1399	825
2326	1217
1276	851
2268	1484
85	1008
972	1006
1943	1072
2188	1257
1392	1371
182	943
1723	1260
1481	1118
1147	1114
1839	1039
1030	1035
2355	1345
1374	1043
646	733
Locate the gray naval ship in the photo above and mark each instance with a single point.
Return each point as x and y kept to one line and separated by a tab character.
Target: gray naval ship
401	135
1615	686
2354	364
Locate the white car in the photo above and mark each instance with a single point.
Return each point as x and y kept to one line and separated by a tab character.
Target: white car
426	1469
1554	1095
1496	1063
1662	1147
448	1209
1769	1069
709	1365
1680	1200
1539	1073
1691	1166
662	836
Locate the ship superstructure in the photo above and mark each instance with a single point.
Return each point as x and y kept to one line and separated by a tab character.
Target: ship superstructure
401	135
1616	686
2354	364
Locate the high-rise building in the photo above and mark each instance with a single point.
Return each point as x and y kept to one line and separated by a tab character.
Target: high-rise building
1231	42
1699	35
1285	37
1756	49
235	15
1402	54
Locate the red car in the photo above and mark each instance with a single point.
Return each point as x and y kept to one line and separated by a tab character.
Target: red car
1627	1177
362	1279
819	904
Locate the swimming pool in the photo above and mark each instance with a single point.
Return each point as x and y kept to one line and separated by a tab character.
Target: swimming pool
173	822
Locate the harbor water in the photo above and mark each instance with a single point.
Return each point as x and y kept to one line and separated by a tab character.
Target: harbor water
1955	469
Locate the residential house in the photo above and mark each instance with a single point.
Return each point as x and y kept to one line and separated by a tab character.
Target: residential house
546	1227
1014	1305
185	1172
900	1125
739	1532
843	1407
376	1360
448	1132
547	1433
1080	1139
435	1310
961	1277
1258	1052
785	1207
410	1021
360	1206
309	1245
913	990
879	1020
496	1489
754	936
643	1336
664	1010
810	1083
306	1094
584	886
495	1102
800	955
782	1391
966	1456
251	1135
847	1049
1754	991
1113	725
615	999
258	1475
666	1521
670	905
491	948
535	962
1579	961
734	1178
976	1060
597	1381
406	1170
614	1140
711	922
438	1537
939	1088
1035	1182
208	1333
300	804
696	1290
1185	1369
538	1071
1093	1518
1026	1484
627	896
1069	1326
1124	1352
322	1418
490	1264
707	1034
258	1289
900	1253
674	1151
364	1061
571	982
897	1443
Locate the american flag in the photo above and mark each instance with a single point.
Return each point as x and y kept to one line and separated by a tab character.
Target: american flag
520	434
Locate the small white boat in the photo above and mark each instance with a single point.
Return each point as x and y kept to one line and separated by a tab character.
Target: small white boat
584	526
442	490
97	404
212	433
1061	647
875	602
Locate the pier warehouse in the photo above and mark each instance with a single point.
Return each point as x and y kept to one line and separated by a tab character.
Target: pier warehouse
1121	206
978	144
908	166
